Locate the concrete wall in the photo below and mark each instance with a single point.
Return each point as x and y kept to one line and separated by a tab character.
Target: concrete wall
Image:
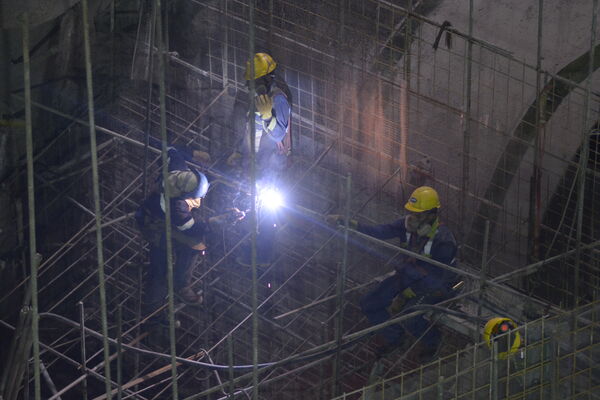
503	89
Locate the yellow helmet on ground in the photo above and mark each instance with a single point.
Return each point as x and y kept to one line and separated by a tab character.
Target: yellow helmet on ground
263	64
424	198
502	326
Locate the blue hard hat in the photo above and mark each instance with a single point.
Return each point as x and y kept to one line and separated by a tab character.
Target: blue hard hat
203	184
201	187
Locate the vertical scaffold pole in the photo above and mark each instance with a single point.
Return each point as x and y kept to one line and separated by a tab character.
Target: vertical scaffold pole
483	272
33	258
82	347
341	288
467	119
584	156
253	217
96	190
536	187
167	194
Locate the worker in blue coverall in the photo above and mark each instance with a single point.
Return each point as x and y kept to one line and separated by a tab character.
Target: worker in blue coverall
187	187
272	122
415	282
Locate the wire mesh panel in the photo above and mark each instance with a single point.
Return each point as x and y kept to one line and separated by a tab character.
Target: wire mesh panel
556	360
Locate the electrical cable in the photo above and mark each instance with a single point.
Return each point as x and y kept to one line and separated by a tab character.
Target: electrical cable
294	359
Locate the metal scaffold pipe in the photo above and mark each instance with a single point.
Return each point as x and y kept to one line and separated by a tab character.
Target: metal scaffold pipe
466	120
96	190
253	217
148	124
341	287
495	282
33	257
167	194
584	156
82	348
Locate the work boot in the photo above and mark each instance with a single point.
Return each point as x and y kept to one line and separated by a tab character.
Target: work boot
188	296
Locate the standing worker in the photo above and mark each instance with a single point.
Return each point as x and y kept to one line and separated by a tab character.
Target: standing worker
272	145
272	119
415	282
187	187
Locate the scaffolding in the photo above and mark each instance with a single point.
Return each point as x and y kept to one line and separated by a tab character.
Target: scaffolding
558	360
518	195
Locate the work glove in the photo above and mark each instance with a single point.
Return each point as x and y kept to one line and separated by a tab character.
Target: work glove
336	220
408	293
400	301
232	216
397	303
233	159
264	106
201	157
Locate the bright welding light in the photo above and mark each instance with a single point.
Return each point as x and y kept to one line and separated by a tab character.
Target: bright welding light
271	198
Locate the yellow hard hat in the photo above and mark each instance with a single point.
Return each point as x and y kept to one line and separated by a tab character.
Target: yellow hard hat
424	198
501	325
263	64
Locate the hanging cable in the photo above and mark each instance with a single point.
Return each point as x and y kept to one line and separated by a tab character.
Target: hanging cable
310	355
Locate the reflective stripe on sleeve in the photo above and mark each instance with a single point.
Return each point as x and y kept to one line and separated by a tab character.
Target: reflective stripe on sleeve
271	125
187	225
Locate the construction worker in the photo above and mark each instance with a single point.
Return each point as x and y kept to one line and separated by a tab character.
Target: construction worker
186	187
272	144
415	281
272	119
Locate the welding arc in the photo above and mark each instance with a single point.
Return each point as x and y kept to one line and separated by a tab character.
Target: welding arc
293	359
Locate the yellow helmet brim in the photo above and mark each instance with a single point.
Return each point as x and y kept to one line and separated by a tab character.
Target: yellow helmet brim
412	208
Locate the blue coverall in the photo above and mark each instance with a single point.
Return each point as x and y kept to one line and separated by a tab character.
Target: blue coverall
273	131
187	230
270	163
431	284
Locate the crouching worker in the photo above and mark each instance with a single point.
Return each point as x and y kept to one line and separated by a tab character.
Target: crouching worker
186	187
414	282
